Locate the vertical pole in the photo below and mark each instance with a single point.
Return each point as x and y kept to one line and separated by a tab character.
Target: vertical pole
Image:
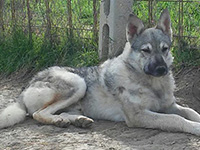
1	21
112	33
13	15
149	11
69	10
48	32
95	21
180	24
181	17
29	22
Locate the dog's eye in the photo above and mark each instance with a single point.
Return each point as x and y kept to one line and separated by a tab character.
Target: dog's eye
164	49
146	50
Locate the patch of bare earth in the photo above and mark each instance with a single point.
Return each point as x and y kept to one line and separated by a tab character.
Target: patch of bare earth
103	135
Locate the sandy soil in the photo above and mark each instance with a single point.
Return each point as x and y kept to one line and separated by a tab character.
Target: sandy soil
103	135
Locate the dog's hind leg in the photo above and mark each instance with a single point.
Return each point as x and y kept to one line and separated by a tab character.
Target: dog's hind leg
47	115
77	119
61	100
64	119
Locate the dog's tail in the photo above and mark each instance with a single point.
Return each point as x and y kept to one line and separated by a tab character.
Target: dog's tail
11	115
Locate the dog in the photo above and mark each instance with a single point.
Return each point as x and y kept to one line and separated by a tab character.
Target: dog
136	87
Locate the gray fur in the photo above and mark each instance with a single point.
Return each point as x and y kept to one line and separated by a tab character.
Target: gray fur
136	87
90	74
150	36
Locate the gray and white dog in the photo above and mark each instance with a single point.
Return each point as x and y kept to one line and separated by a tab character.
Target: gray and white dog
136	87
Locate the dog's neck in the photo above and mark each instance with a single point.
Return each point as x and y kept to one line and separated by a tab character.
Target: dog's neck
133	66
126	51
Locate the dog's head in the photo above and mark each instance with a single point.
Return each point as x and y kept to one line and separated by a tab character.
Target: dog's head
150	48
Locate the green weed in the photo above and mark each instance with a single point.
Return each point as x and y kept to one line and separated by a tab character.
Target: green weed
17	53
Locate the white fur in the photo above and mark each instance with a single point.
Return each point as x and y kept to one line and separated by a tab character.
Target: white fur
35	98
163	44
12	115
146	46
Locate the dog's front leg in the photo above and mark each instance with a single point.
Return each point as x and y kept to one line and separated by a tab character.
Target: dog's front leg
136	115
185	112
166	122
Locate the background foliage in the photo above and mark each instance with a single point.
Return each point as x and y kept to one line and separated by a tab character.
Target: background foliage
41	33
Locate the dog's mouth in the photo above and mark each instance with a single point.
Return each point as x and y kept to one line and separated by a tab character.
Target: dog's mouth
158	71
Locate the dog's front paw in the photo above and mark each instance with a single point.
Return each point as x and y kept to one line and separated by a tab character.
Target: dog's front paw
197	131
60	122
194	129
84	122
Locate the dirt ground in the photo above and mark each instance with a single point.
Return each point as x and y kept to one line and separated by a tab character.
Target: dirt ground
103	135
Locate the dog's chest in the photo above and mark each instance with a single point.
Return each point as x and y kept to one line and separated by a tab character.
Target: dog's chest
155	94
161	94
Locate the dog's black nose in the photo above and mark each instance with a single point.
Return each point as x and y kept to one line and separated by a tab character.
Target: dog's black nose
161	70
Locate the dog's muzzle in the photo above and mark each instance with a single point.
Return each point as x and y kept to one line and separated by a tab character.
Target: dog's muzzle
156	67
161	71
157	72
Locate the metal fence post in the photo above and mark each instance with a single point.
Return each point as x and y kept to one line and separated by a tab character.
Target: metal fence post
112	30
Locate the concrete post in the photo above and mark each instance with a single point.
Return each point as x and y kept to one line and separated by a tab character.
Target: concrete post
112	32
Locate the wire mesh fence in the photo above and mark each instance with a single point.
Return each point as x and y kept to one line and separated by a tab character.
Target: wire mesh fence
50	31
50	17
47	32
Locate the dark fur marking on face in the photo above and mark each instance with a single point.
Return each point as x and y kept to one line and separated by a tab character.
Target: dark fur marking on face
121	89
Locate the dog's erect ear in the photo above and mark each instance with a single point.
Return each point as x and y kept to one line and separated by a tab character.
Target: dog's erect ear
134	27
164	23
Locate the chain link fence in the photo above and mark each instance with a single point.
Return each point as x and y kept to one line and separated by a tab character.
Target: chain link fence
78	16
52	32
47	32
